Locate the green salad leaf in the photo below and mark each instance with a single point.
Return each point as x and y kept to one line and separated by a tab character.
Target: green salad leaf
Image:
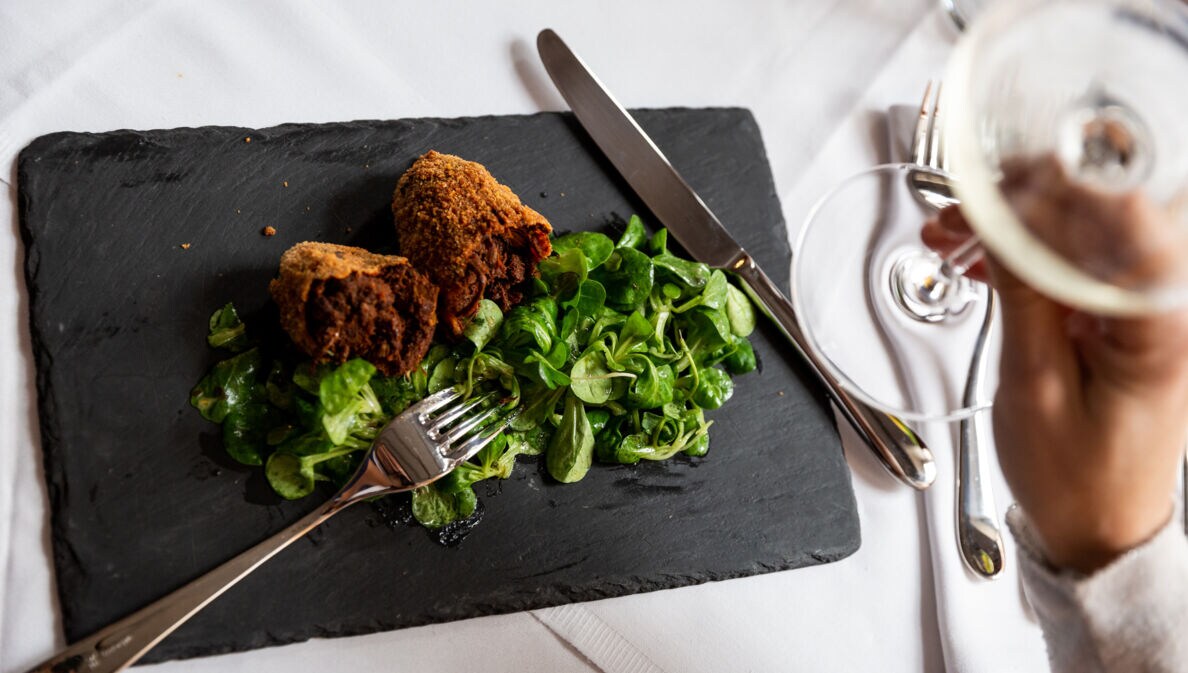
739	312
485	324
741	359
245	430
590	380
571	451
340	389
714	387
627	276
293	476
596	247
227	330
635	236
433	507
232	383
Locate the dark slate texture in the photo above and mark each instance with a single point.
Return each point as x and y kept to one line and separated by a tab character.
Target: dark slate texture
143	498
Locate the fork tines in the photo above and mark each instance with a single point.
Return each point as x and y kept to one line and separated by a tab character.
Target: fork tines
928	147
461	426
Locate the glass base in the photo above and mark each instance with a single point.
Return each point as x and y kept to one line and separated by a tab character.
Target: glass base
923	290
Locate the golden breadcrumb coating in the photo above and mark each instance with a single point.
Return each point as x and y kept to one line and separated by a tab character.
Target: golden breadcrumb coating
469	233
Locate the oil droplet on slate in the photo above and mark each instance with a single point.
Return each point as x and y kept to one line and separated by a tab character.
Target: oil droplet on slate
396	514
452	535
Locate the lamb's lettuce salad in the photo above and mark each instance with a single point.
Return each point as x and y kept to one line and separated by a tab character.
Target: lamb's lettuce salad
614	358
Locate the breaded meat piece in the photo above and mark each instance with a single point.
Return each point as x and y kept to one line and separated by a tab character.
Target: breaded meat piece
470	233
339	302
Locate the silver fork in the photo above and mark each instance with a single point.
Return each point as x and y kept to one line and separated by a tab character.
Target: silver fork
928	150
979	535
418	447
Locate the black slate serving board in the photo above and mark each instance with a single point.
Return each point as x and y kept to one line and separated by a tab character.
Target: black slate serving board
144	499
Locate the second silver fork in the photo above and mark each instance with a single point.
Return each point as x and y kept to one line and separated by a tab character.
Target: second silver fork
979	535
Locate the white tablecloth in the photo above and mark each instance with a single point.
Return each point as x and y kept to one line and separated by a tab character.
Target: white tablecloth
818	76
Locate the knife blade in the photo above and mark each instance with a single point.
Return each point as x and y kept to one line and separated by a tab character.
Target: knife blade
694	225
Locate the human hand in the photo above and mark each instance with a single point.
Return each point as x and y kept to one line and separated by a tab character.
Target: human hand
1090	416
1121	238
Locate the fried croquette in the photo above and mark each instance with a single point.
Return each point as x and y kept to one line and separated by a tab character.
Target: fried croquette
337	302
469	233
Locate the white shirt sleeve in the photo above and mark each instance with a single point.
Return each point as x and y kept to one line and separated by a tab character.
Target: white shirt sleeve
1130	616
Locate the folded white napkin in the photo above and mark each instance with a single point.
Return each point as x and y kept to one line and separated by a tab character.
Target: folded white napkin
598	642
985	625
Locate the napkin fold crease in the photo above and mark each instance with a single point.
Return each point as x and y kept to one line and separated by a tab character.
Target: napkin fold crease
602	645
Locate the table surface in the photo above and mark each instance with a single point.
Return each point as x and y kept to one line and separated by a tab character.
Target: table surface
819	77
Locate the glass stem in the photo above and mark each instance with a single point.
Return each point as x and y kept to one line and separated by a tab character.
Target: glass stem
953	267
964	256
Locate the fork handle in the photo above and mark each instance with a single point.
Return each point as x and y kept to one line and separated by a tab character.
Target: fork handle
900	450
121	644
978	533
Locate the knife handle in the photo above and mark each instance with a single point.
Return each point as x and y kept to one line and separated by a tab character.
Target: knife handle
901	451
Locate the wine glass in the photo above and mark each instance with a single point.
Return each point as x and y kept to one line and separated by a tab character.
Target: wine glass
1099	89
1091	94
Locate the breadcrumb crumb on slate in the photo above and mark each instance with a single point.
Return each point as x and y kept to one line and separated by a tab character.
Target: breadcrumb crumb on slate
337	302
269	231
470	233
185	246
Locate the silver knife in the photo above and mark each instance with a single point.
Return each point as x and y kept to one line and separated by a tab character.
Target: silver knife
687	218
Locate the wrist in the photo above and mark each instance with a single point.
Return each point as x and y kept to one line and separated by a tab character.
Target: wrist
1086	541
